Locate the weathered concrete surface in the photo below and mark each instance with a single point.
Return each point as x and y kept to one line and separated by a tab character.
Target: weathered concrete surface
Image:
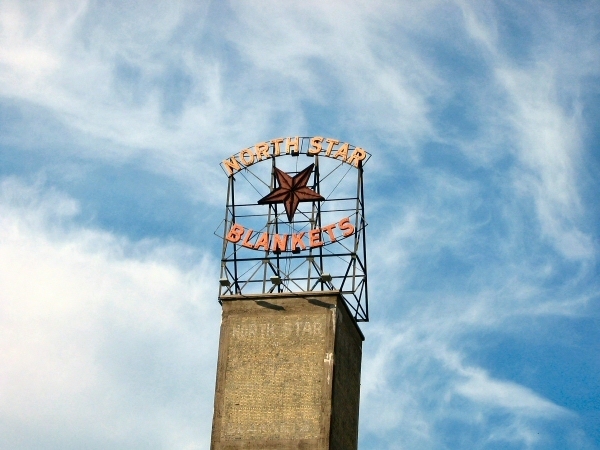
288	375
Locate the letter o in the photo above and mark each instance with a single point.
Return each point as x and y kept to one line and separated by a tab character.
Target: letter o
250	153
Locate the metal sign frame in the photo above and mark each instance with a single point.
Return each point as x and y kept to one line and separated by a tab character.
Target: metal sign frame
338	264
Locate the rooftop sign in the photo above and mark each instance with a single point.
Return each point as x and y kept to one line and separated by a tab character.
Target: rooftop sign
294	219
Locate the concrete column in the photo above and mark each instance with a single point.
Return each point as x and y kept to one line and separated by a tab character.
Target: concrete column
288	374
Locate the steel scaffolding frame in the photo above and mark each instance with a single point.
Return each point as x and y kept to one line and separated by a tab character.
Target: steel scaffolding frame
339	265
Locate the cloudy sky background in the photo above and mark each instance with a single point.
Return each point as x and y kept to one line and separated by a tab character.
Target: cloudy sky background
482	119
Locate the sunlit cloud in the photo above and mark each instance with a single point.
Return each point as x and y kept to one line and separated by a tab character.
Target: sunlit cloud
100	336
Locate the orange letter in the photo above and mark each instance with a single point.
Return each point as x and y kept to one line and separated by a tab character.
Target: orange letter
263	241
357	156
276	146
292	142
235	233
329	230
297	241
262	151
332	142
346	226
343	152
279	243
232	165
248	152
314	238
246	242
316	145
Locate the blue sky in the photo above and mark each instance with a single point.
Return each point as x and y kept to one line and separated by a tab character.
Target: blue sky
482	121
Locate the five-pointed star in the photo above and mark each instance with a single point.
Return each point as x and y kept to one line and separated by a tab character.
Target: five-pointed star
291	191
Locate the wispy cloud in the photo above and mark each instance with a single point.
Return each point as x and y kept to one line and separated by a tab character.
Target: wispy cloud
542	112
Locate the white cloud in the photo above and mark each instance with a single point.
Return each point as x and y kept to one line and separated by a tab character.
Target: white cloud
103	342
65	57
549	147
479	387
540	116
414	383
105	73
349	54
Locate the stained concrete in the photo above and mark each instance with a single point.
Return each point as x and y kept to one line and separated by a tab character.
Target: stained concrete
288	374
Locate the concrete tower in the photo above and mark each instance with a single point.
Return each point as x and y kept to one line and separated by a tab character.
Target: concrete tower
293	292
